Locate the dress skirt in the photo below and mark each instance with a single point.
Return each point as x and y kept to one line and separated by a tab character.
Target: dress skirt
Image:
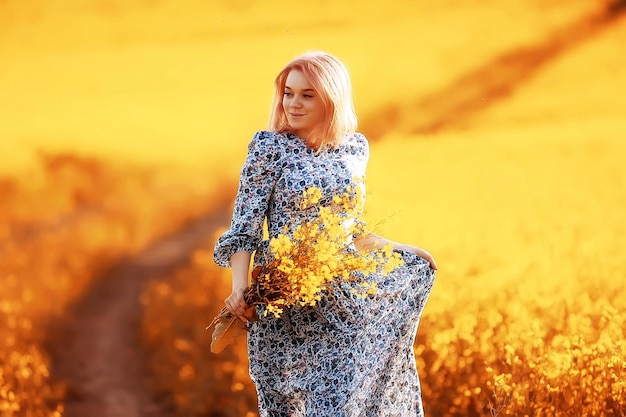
346	356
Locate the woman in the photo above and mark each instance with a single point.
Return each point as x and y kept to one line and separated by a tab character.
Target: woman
346	356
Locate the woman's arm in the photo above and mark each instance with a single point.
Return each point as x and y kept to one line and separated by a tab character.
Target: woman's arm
240	263
372	242
234	248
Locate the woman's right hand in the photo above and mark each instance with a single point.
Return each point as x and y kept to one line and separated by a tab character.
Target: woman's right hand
240	263
235	302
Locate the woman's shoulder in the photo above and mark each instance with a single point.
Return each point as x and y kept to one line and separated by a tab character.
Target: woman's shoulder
266	137
268	141
361	139
357	143
271	137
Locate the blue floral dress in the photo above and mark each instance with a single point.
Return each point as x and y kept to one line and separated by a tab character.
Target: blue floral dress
346	356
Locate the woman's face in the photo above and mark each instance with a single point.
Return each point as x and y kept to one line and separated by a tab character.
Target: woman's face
302	104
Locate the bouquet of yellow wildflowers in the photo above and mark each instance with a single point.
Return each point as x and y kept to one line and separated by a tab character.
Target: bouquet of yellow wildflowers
309	258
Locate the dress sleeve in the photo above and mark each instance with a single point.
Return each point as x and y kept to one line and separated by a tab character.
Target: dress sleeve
258	177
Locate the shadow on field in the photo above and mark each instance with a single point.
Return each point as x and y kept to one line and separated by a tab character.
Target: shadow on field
473	92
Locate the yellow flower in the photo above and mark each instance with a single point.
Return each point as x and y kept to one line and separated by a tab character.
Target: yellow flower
305	262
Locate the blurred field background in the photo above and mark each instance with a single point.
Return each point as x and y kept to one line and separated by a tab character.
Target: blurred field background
497	136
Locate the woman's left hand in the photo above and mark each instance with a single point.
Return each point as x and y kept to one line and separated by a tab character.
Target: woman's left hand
425	255
372	241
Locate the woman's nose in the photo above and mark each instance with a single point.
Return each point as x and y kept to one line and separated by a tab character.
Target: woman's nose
295	102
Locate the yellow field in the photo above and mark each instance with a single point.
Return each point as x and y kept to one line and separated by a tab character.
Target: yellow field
144	109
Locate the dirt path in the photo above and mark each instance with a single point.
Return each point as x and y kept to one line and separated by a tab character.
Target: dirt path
96	350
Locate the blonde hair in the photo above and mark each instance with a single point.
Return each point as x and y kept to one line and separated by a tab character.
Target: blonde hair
330	79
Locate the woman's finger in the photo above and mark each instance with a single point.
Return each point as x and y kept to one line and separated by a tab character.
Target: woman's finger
231	306
432	262
236	308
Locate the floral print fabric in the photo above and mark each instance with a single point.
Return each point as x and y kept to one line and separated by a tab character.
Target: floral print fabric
345	356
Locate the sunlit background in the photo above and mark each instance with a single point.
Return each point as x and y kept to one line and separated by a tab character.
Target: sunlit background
498	140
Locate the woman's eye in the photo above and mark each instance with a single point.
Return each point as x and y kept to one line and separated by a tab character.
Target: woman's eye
287	93
307	96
